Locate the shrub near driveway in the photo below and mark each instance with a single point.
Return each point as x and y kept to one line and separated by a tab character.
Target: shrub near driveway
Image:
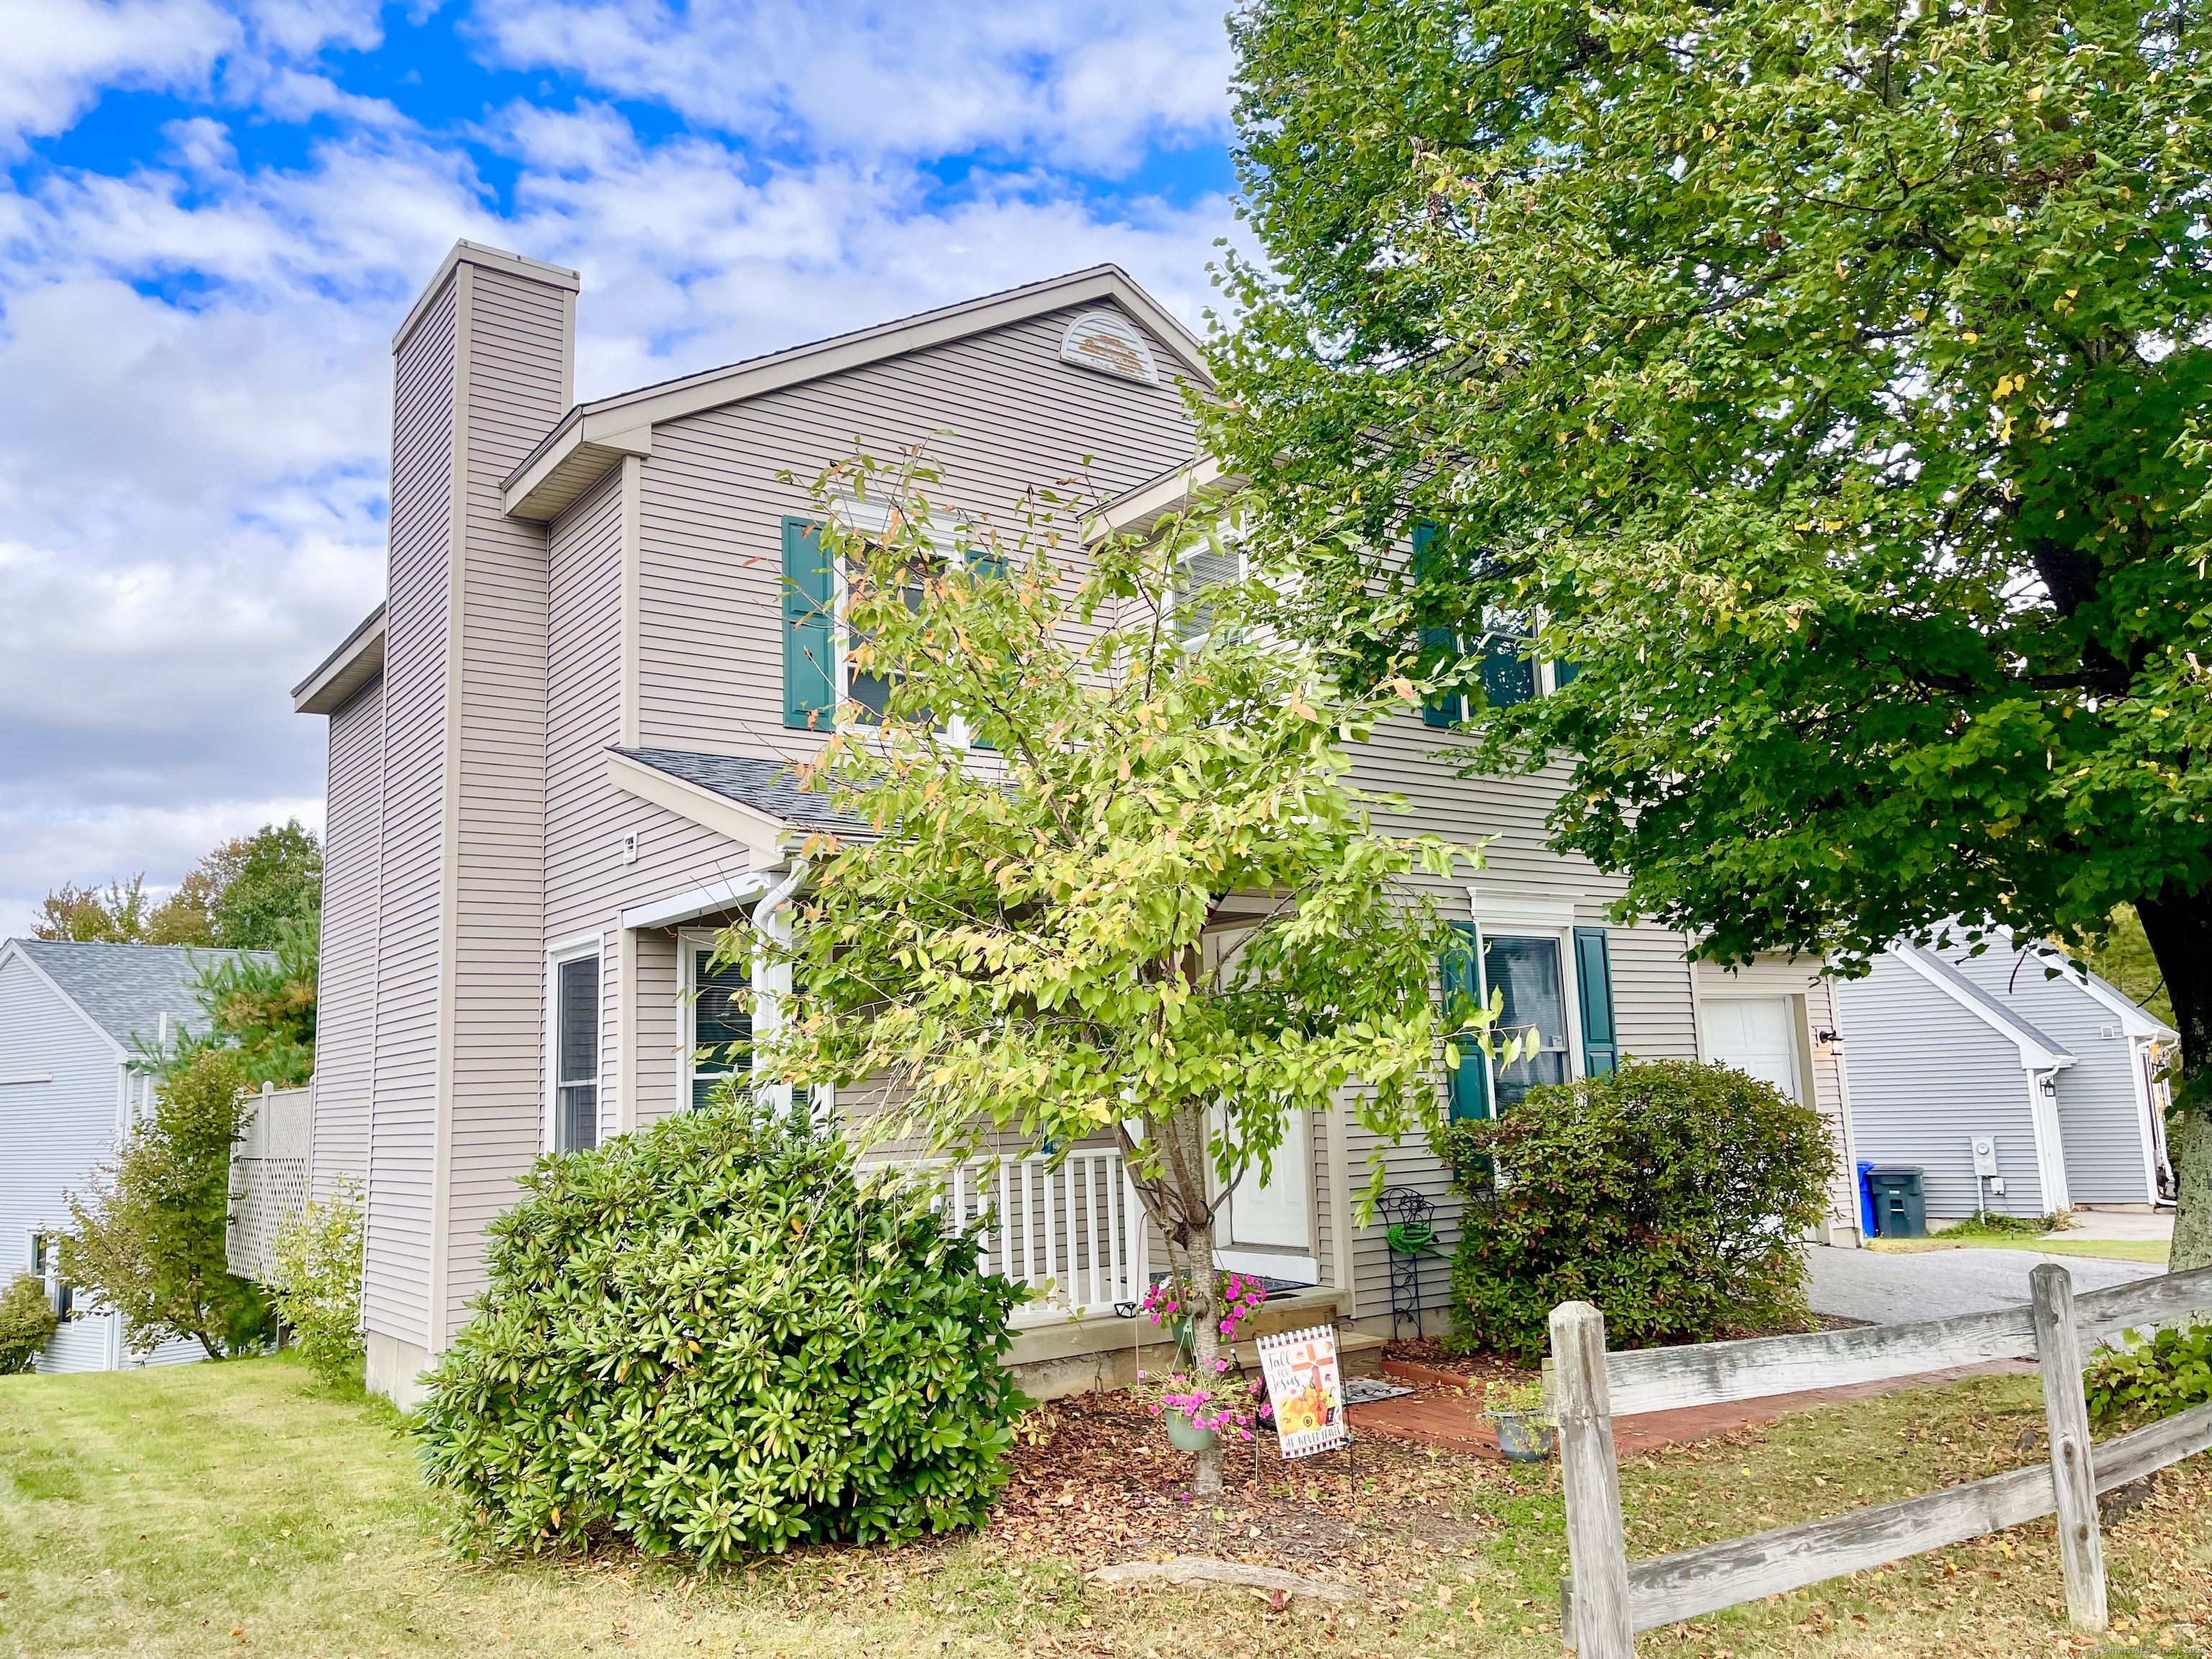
716	1336
1670	1194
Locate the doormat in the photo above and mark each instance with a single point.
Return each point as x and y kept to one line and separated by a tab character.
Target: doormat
1367	1390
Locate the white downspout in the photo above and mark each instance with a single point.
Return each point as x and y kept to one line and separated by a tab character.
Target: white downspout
772	980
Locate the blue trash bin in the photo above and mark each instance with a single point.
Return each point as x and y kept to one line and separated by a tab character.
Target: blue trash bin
1869	1218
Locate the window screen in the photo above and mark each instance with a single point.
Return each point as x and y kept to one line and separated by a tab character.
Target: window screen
576	1054
721	1023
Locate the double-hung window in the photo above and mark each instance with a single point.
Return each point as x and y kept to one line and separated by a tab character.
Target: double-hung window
820	676
46	1267
1554	991
576	1025
718	1010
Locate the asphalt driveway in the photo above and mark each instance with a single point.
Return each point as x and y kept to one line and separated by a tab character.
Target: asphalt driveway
1887	1290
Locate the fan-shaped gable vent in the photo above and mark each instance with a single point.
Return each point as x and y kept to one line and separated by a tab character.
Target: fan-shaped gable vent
1111	344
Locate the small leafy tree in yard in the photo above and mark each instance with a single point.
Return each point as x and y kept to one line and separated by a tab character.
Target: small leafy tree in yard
27	1323
148	1238
716	1336
316	1286
1670	1194
1145	903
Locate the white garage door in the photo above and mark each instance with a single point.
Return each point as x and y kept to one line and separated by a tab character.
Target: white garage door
1755	1035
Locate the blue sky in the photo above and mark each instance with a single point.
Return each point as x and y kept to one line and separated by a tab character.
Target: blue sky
213	212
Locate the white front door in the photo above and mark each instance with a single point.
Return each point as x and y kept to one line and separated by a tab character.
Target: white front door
1275	1215
1758	1036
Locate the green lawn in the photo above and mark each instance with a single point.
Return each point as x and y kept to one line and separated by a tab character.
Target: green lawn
243	1511
2151	1250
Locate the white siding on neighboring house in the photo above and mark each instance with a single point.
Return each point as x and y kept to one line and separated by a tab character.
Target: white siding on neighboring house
345	1001
1925	1077
62	1114
53	1134
2101	1111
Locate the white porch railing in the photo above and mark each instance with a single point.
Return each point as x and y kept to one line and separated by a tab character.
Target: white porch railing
1076	1235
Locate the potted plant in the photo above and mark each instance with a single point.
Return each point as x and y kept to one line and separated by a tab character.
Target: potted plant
1527	1431
1200	1413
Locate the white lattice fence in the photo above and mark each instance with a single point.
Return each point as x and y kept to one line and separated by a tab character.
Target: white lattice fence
270	1168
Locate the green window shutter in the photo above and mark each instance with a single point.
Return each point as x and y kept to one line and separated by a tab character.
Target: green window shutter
810	667
1563	672
1470	1084
987	565
1594	975
1435	643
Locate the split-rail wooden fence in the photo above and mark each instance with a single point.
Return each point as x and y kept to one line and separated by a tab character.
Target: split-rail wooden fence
1608	1598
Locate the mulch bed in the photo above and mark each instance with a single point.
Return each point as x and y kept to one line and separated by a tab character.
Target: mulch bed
1096	1481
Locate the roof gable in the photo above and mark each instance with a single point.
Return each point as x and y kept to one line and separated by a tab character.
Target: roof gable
595	436
2039	1051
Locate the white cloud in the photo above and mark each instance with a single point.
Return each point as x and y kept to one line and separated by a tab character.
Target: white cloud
194	371
1072	84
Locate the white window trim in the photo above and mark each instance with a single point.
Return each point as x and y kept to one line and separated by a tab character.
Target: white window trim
565	951
1551	926
867	517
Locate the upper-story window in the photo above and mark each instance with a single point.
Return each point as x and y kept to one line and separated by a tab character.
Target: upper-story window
822	683
1507	670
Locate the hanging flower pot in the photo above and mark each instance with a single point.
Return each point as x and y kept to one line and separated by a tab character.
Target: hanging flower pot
1185	1435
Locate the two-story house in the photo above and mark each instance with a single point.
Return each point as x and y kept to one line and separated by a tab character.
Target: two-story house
558	762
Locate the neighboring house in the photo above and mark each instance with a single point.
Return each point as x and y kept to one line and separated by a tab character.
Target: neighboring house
559	761
71	1019
2054	1069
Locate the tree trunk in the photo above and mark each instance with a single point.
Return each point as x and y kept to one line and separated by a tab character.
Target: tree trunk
1181	1204
2178	925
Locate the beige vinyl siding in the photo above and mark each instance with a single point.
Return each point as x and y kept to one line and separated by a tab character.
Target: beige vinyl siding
403	1146
516	387
345	1026
1653	1009
1926	1076
999	412
2105	1130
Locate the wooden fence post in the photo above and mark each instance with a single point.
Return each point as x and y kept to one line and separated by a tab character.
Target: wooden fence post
2066	1416
1597	1554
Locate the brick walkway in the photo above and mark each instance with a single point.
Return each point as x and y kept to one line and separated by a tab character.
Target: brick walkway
1437	1414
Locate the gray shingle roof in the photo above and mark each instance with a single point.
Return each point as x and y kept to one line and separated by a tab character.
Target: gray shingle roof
126	989
767	785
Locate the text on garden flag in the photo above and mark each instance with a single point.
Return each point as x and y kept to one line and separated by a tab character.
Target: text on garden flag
1305	1389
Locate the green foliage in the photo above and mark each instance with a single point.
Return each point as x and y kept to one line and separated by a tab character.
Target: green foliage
147	1238
2121	956
316	1286
1992	1224
1828	380
91	915
249	894
264	889
715	1336
2170	1373
26	1322
1670	1194
1152	899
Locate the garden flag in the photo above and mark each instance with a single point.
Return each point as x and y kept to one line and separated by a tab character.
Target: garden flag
1305	1389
